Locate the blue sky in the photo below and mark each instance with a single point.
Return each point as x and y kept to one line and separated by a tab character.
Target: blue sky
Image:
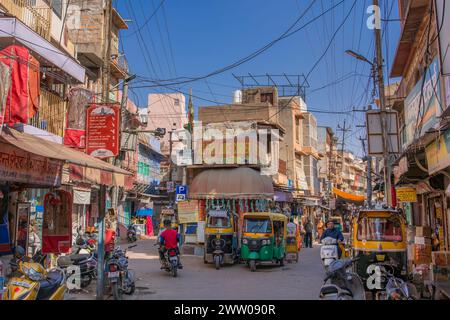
206	35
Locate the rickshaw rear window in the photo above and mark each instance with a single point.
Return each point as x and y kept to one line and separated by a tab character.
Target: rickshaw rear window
379	229
254	225
219	222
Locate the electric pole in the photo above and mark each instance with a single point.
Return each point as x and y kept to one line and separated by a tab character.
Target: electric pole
369	172
384	127
105	99
344	130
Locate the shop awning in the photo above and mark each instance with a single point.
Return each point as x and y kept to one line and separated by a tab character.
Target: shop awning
348	197
13	30
236	183
52	150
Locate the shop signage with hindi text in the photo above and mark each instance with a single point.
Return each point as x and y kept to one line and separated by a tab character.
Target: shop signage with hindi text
438	154
103	131
406	194
20	166
188	211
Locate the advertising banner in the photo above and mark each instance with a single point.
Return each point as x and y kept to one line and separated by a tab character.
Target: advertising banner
188	211
17	165
422	111
438	154
103	131
406	194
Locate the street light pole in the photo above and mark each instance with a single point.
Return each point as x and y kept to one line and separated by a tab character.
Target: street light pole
384	127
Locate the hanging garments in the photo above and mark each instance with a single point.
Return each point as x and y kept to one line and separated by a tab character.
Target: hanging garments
149	226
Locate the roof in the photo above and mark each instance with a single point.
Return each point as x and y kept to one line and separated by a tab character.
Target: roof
49	149
273	216
235	183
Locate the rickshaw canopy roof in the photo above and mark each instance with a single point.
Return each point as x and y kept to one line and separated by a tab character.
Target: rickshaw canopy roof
271	215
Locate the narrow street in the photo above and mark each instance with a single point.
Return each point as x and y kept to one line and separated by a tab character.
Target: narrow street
198	281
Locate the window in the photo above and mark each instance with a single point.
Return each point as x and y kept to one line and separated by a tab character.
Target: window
253	225
57	6
379	229
219	222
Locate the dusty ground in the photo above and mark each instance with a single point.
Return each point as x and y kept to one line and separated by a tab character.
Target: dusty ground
199	281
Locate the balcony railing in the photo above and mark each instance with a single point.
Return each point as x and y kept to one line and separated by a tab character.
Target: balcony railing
52	113
37	17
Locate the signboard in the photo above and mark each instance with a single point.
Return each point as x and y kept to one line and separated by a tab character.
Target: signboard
167	211
438	154
181	193
103	131
17	165
170	186
375	132
422	111
406	194
443	19
188	211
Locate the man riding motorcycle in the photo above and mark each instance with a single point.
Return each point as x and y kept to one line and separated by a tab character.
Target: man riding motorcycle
335	233
169	239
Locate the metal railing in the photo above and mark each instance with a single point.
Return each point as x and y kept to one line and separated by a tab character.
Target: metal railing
36	17
51	116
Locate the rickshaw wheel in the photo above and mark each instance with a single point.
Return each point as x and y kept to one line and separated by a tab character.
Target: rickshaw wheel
252	265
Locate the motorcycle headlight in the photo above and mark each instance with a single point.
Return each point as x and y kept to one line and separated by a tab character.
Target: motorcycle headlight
244	241
265	242
32	274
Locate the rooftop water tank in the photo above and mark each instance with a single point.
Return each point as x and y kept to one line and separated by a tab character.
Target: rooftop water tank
237	97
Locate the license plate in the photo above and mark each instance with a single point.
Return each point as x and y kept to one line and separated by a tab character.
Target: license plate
113	274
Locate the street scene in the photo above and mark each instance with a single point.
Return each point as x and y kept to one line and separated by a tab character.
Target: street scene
233	150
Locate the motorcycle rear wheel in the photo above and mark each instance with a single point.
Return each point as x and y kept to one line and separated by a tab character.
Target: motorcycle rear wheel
217	262
117	293
175	272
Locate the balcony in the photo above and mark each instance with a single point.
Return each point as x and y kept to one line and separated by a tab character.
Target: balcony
36	17
51	116
119	67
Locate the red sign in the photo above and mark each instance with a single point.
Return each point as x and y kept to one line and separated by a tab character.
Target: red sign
103	131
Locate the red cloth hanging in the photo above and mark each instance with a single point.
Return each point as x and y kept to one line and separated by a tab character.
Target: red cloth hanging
23	99
149	226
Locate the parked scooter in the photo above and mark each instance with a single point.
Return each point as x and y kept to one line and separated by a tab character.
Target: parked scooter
132	233
396	288
20	256
36	283
329	251
341	283
87	264
121	279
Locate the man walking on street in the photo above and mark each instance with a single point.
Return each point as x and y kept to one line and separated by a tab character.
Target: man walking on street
308	234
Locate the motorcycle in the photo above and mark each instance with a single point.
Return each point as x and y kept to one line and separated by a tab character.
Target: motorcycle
396	288
36	283
341	283
170	260
87	264
121	279
84	244
132	233
19	256
329	251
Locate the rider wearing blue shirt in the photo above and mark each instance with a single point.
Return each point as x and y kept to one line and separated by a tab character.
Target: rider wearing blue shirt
334	233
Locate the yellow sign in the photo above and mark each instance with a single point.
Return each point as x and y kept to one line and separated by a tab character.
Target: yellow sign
406	195
438	154
188	211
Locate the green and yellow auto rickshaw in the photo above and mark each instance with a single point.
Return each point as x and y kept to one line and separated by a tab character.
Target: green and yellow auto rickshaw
220	238
263	238
379	239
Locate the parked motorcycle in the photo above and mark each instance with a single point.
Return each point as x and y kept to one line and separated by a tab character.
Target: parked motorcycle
121	279
329	251
132	233
396	288
341	283
87	264
84	244
170	260
20	256
36	283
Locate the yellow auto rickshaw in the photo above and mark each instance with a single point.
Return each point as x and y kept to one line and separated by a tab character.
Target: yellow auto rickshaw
220	238
293	242
263	238
168	214
379	238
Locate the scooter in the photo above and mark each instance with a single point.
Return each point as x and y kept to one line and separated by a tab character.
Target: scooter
87	264
396	288
132	233
121	279
341	283
329	251
36	284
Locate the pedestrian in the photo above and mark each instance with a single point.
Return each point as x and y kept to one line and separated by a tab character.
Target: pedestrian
308	233
320	229
34	240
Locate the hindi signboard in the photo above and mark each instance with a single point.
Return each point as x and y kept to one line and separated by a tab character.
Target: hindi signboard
406	194
188	211
103	130
438	154
17	165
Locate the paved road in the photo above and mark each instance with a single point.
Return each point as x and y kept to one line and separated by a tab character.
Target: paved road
197	281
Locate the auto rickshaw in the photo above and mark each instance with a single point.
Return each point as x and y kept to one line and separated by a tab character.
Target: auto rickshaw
379	238
263	238
293	244
168	215
220	238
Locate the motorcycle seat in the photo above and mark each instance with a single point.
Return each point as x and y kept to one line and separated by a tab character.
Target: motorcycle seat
66	261
48	286
333	289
